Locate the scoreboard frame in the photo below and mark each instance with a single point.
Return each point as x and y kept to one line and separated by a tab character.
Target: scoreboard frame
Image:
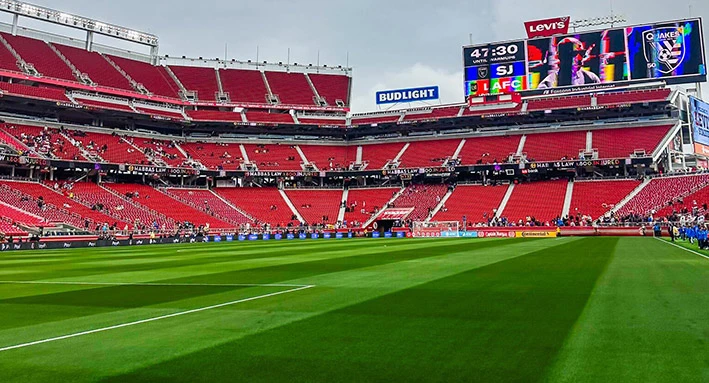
490	69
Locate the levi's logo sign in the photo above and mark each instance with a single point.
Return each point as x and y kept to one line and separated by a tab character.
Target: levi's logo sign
547	27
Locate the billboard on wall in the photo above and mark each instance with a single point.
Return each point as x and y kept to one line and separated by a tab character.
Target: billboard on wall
671	51
547	27
699	118
407	95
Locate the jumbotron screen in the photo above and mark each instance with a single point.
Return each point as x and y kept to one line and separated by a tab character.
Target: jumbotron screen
671	51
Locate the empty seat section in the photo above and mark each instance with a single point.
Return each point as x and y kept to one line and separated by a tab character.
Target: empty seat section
168	206
154	78
165	150
332	87
215	156
474	202
377	155
8	62
198	79
214	115
595	198
47	142
122	207
105	105
554	146
110	147
99	70
273	156
660	191
433	114
265	117
291	88
317	206
171	114
8	229
266	205
11	194
618	98
689	202
559	103
525	201
62	209
363	203
40	92
621	143
423	198
364	120
322	121
18	216
244	85
428	153
39	54
205	200
488	150
330	157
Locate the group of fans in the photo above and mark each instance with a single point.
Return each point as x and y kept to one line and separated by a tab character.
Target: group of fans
695	233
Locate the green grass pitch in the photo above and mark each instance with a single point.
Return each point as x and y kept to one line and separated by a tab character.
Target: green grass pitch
428	310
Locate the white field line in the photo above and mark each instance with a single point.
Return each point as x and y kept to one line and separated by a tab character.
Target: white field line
152	319
683	248
149	284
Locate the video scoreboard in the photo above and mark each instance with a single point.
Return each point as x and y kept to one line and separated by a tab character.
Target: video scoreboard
670	51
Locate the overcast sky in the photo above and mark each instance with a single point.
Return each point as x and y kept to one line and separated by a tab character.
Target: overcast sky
390	43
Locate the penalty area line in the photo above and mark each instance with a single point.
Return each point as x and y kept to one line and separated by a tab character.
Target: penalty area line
177	314
683	248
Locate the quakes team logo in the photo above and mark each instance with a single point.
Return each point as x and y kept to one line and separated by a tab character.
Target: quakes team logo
664	48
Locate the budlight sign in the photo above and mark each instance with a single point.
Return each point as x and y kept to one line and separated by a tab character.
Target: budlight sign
407	95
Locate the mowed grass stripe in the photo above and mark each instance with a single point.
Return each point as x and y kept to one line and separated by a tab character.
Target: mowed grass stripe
502	322
381	253
87	300
191	256
116	353
647	320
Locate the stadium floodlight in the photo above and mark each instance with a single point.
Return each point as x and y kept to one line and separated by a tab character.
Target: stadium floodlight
598	21
50	15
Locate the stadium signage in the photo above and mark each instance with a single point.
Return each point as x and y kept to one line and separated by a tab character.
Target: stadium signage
547	27
407	95
555	61
699	117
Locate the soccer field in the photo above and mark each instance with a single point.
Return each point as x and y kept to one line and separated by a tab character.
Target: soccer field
453	310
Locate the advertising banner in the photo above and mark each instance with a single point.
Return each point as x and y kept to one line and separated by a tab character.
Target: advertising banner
407	95
535	234
699	118
547	27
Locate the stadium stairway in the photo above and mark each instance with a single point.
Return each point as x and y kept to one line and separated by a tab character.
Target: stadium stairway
391	201
290	205
442	203
595	198
226	201
206	201
567	199
630	196
662	190
505	200
341	212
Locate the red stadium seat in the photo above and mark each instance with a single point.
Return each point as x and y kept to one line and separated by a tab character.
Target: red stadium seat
524	201
595	198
